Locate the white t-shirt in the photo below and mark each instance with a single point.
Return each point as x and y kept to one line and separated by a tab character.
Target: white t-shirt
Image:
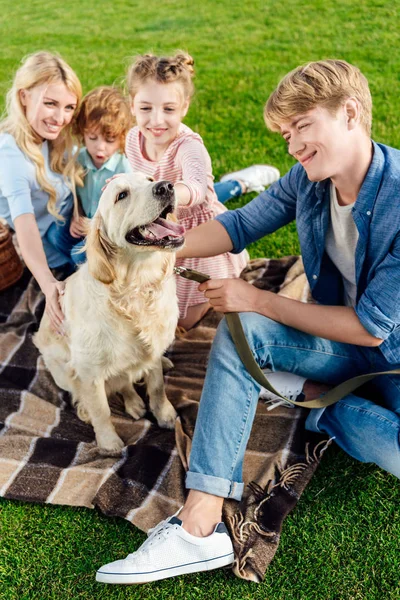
340	245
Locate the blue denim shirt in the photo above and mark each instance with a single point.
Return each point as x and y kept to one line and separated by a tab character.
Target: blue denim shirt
376	214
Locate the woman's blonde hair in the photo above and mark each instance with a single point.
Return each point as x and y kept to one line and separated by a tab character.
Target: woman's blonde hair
325	83
38	69
104	108
164	69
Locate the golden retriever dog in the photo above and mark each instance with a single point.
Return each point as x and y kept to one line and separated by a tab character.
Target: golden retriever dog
120	308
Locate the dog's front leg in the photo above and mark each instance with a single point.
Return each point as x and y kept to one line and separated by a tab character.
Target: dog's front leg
92	398
160	406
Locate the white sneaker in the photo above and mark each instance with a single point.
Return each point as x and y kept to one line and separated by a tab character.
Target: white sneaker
169	551
255	178
287	384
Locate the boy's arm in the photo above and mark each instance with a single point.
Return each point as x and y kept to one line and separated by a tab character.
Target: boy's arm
378	309
234	230
337	323
374	318
208	239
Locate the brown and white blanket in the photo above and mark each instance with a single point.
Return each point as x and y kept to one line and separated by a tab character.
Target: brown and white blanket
48	455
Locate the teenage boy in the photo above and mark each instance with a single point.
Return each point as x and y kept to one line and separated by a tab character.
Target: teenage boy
344	194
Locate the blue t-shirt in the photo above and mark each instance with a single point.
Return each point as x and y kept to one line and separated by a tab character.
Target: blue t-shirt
20	192
95	179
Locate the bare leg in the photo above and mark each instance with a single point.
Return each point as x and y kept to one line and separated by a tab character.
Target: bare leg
193	315
201	513
313	389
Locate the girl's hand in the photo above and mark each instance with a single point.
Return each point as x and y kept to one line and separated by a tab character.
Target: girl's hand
78	227
231	295
52	292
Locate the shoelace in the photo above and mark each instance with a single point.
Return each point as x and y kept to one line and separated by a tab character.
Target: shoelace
275	402
160	532
279	402
160	525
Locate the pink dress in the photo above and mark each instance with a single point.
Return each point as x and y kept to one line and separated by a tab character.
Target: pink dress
187	161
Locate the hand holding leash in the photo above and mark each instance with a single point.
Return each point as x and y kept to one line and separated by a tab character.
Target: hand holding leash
246	355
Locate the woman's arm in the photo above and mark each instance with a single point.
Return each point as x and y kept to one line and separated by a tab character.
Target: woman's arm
31	247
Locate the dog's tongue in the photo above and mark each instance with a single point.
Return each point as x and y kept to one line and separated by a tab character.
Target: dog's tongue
162	228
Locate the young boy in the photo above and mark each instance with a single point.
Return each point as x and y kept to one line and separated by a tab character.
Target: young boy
344	195
102	123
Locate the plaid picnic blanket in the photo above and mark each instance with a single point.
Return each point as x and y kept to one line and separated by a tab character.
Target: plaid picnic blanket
48	455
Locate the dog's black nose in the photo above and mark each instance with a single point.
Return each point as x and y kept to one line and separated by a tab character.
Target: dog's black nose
163	189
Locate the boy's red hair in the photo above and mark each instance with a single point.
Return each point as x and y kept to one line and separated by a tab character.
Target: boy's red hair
105	108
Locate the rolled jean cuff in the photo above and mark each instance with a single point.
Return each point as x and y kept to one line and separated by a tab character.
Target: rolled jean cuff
313	420
214	485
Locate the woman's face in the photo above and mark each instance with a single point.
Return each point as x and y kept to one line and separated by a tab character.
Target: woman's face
48	108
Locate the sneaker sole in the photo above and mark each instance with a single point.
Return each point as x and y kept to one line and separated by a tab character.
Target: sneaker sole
138	578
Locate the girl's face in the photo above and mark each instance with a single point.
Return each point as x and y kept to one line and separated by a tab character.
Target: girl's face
159	109
99	146
48	108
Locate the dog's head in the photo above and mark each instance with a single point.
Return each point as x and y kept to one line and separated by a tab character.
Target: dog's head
134	214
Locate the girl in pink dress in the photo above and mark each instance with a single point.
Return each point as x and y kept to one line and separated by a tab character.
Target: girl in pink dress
161	146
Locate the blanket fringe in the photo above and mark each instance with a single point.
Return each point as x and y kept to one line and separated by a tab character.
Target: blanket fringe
243	531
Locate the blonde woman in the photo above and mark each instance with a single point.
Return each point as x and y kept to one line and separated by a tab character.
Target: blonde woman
38	171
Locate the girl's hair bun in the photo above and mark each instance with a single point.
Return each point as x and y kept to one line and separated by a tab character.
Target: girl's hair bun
164	69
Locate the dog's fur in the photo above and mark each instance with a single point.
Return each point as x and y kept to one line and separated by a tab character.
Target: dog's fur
120	310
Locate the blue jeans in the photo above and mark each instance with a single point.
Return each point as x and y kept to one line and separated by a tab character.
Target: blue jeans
368	431
60	238
226	190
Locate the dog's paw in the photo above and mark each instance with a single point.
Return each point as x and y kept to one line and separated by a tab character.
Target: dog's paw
109	442
166	415
83	414
166	364
135	406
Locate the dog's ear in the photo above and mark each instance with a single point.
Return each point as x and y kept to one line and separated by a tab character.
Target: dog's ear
100	251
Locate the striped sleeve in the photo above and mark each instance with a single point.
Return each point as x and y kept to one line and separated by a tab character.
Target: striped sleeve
195	163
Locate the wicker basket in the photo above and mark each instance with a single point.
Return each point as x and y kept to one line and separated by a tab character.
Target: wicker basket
11	267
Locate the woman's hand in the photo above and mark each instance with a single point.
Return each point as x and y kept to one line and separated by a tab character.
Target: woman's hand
78	227
52	291
231	295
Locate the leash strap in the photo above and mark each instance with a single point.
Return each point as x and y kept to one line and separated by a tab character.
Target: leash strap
246	355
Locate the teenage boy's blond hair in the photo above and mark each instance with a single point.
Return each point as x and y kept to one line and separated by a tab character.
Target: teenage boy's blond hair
325	83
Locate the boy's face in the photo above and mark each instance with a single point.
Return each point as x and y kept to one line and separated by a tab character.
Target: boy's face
99	146
319	141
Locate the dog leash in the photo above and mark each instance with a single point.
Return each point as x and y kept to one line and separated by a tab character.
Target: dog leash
246	355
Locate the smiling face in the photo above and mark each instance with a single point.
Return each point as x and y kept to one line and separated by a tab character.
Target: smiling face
159	109
137	212
48	108
320	141
100	147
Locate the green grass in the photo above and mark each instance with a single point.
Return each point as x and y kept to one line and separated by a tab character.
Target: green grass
342	540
